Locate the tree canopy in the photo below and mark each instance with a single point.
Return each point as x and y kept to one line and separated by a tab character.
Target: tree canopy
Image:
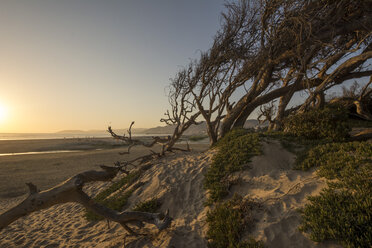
270	50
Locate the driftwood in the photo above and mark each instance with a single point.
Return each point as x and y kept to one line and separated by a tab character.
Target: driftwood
167	143
71	191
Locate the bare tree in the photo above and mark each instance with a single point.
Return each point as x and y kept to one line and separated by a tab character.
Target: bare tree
182	113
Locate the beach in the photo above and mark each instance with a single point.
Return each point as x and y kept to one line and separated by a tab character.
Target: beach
176	180
49	169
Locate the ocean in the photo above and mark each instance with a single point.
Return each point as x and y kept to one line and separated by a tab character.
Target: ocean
28	136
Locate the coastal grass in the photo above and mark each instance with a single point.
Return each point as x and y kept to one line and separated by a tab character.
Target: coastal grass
235	150
293	144
150	206
296	145
359	123
227	222
335	158
197	137
348	166
330	122
229	219
120	199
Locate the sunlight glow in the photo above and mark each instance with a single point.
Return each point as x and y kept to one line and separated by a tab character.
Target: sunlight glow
3	112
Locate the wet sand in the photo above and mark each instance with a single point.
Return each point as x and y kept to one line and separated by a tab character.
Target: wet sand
48	170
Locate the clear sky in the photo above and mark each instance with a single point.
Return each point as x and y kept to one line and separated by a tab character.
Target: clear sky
85	64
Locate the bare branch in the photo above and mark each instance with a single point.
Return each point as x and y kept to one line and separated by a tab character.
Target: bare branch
71	191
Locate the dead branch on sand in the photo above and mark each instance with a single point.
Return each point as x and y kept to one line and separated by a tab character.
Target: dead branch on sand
166	143
71	190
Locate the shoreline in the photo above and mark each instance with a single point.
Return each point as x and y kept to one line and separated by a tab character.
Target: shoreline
56	136
73	144
46	169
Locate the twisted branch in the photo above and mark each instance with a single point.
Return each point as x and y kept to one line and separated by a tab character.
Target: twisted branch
71	191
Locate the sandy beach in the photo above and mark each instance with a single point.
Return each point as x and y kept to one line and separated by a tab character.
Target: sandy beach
47	170
177	180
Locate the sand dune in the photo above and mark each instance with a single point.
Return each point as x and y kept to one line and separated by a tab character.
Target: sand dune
178	181
281	192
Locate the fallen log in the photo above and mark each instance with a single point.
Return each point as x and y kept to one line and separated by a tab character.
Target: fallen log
71	190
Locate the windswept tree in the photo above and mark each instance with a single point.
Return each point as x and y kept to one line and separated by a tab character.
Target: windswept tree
182	113
269	50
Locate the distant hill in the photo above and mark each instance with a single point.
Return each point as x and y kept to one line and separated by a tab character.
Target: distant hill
200	129
197	129
118	131
193	130
71	131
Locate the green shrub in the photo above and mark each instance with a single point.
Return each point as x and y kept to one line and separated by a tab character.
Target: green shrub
197	137
127	180
295	145
231	136
150	206
227	221
340	214
360	123
234	152
116	202
330	122
332	158
342	211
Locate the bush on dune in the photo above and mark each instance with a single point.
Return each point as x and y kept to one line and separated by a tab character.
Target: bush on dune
349	194
227	222
234	152
120	199
150	206
332	158
330	123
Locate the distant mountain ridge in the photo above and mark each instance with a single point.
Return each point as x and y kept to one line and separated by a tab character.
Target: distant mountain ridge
119	131
200	129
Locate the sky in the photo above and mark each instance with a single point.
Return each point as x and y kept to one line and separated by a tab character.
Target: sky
87	64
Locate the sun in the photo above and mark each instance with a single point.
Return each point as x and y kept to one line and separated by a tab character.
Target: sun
3	112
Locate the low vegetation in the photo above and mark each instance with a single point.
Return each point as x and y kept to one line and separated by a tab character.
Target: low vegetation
119	200
234	152
295	145
319	139
227	222
335	158
359	123
349	194
197	137
330	123
150	206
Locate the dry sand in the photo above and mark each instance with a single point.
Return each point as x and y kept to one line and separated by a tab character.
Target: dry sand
178	181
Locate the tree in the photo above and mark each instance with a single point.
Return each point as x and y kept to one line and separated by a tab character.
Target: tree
273	49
